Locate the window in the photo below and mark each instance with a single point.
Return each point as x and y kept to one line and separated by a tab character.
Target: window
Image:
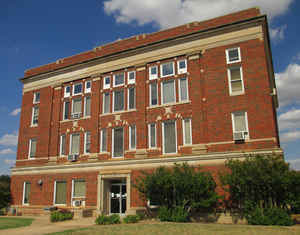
106	102
76	107
131	98
103	139
60	192
167	69
74	143
183	89
233	55
106	82
240	124
32	148
87	142
26	193
87	106
118	142
35	116
152	135
88	86
118	100
36	97
66	110
67	92
236	85
187	131
132	137
119	79
77	89
78	188
169	137
62	148
131	77
153	94
168	92
153	72
181	66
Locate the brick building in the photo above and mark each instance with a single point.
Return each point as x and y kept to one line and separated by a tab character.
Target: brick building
198	93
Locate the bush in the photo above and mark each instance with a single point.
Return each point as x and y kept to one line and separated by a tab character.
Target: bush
177	214
269	216
164	214
61	215
130	219
5	195
108	219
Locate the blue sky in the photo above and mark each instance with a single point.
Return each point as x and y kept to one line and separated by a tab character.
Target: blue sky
34	33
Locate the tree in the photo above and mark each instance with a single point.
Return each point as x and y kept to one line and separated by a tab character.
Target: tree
5	196
181	186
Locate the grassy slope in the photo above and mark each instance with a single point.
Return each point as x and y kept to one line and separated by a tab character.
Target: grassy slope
8	222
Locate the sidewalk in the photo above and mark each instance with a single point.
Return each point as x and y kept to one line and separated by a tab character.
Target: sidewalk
42	225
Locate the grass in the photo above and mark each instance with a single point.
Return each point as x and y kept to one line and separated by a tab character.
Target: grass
182	229
12	222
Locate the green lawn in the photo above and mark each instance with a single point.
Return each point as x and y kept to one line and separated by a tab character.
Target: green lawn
13	222
182	229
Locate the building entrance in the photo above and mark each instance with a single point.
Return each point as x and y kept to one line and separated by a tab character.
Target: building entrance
118	198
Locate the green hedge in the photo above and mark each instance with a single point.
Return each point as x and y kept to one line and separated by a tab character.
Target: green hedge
177	214
130	219
61	215
108	219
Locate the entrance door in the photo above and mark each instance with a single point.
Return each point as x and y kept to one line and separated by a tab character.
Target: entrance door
118	198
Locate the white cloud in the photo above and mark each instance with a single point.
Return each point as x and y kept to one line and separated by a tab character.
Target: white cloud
290	136
289	120
294	164
6	151
9	139
277	34
9	161
15	112
166	14
288	84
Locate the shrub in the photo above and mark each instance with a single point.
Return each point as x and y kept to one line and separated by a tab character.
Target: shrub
269	216
108	219
130	219
5	195
61	215
177	214
164	214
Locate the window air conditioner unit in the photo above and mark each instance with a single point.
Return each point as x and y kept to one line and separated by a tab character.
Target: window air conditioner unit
239	136
75	115
77	203
73	157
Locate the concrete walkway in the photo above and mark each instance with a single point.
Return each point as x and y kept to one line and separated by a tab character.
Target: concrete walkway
42	225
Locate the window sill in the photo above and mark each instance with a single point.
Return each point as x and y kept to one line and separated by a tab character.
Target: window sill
75	119
130	151
154	149
35	125
237	93
169	104
118	112
104	153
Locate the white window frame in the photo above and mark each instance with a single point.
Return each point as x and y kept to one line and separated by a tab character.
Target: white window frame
72	109
130	132
162	93
88	90
187	89
30	145
131	81
60	144
183	131
153	76
113	100
86	106
150	94
229	80
70	147
132	87
67	94
73	92
114	78
227	55
73	196
32	116
247	136
103	102
163	139
101	140
23	201
161	69
64	110
149	136
106	86
54	196
113	142
34	97
184	70
85	142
